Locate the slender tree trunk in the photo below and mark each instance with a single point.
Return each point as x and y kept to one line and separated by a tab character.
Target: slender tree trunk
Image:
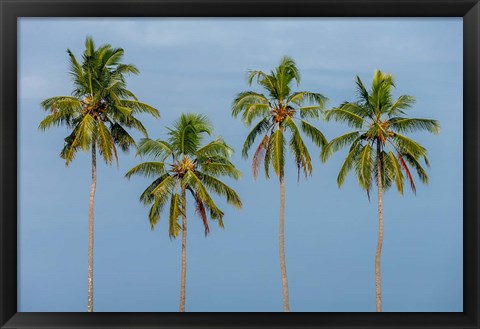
90	229
184	252
378	277
283	266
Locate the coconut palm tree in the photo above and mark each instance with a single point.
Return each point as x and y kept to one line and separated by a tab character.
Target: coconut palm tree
282	112
97	115
379	151
193	168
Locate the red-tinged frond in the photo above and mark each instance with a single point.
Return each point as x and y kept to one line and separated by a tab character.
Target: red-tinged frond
403	164
200	210
259	155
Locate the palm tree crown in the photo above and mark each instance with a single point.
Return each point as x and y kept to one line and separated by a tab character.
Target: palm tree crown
279	112
380	123
100	107
193	167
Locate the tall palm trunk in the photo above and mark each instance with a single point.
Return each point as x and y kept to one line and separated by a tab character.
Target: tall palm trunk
184	252
283	266
378	277
90	229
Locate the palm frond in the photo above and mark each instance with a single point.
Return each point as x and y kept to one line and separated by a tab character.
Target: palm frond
140	107
159	202
200	211
105	143
364	167
122	138
349	161
261	127
302	97
155	148
299	149
403	144
414	124
315	135
249	101
338	143
259	155
147	169
215	148
347	113
402	103
85	133
191	180
277	142
174	227
220	188
147	197
218	166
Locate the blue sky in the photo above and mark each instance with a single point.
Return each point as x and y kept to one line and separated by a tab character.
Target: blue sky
198	65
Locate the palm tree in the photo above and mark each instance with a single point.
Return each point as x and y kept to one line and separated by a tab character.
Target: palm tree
194	168
378	147
97	113
279	111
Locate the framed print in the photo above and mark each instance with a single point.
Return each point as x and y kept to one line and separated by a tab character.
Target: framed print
322	156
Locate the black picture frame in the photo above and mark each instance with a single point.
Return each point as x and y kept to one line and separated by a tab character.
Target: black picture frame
11	10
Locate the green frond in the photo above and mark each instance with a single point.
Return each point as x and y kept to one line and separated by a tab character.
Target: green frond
121	137
313	133
381	93
362	92
396	171
338	143
158	204
105	142
218	166
412	160
157	149
277	142
256	74
347	113
147	196
414	124
188	131
387	170
85	133
306	97
192	181
349	161
364	167
62	105
299	149
261	127
404	144
140	107
125	111
147	169
310	112
249	102
174	227
215	148
220	189
165	187
268	155
402	103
